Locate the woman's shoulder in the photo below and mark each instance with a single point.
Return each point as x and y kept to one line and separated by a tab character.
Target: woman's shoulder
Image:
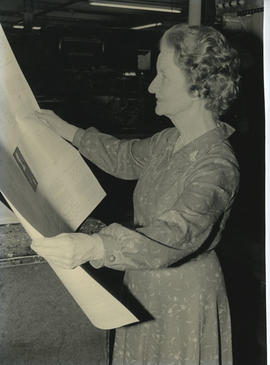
223	152
219	162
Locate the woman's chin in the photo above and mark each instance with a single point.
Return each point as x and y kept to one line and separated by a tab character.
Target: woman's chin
158	110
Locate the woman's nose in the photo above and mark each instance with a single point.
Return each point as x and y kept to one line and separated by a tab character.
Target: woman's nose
152	86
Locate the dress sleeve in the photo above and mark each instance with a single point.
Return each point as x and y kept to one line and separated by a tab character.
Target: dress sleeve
119	157
209	191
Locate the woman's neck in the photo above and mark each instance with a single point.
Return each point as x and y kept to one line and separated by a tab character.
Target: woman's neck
193	122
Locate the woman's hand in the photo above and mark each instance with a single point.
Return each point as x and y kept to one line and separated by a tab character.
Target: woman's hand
69	250
58	125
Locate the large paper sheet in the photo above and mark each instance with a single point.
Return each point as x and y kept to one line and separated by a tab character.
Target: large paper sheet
58	179
46	170
49	186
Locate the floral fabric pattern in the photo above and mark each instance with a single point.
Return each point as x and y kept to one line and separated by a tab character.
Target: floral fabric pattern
181	203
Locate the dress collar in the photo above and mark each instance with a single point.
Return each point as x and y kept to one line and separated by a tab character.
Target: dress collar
204	142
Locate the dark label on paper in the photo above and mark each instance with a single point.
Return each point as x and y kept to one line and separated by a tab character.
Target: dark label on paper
25	168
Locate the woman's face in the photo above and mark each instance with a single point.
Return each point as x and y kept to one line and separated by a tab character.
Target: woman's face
170	86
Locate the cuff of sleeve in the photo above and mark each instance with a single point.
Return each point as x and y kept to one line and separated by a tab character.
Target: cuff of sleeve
113	256
77	137
99	253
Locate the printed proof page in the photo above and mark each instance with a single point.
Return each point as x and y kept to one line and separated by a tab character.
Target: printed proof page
48	185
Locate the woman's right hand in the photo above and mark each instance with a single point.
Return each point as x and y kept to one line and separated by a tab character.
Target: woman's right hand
58	125
69	250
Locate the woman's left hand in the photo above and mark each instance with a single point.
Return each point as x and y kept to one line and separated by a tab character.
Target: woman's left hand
57	124
69	250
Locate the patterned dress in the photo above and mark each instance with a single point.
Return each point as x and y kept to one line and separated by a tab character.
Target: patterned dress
181	203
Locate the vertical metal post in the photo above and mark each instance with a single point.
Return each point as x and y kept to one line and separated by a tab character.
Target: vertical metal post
28	15
194	12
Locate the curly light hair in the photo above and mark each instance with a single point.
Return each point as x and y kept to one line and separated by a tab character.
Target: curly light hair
211	66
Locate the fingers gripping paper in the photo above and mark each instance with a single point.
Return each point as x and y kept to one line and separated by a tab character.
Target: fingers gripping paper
49	186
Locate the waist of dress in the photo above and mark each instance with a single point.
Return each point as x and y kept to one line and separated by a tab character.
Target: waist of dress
195	256
185	264
195	271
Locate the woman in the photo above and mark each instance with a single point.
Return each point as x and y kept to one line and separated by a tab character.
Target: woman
187	180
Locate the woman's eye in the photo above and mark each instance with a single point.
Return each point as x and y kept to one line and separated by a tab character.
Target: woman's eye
162	75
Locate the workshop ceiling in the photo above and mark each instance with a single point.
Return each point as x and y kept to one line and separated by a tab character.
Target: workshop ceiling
51	14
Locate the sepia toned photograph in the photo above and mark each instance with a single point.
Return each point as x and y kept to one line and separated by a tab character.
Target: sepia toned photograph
132	182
